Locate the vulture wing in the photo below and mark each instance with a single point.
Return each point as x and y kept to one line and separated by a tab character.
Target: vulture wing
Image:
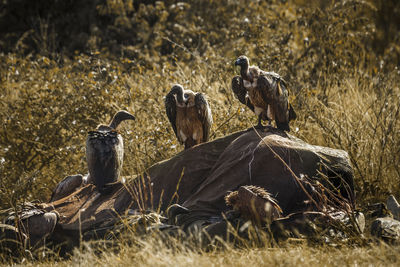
241	93
292	113
275	76
266	87
170	108
204	112
281	107
277	95
283	94
273	92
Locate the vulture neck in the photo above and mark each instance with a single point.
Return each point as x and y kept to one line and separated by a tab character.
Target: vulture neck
115	122
244	72
119	117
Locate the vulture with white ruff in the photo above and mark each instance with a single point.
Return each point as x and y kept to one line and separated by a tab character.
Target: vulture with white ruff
189	115
105	152
265	93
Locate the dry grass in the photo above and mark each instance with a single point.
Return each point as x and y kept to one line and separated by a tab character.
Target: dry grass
290	256
152	253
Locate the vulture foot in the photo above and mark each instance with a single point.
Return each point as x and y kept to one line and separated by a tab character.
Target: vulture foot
259	125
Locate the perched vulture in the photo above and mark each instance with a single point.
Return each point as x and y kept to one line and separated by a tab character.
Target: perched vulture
263	92
105	152
189	114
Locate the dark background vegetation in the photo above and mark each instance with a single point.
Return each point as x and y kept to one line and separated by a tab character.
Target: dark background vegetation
67	65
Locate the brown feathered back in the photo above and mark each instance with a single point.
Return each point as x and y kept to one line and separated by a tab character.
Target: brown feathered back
254	203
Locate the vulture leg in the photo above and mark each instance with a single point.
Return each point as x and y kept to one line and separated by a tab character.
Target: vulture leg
189	143
270	115
259	125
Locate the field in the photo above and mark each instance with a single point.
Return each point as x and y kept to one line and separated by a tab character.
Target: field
68	66
288	256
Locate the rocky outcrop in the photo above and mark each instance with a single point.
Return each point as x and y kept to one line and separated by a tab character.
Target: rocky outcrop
299	176
386	229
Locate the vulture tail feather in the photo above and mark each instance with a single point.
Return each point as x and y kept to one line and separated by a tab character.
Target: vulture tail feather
189	143
284	126
292	113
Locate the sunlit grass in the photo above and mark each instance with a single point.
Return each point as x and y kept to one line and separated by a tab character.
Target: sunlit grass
297	254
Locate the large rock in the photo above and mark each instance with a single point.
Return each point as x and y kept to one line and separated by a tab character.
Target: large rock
291	170
393	206
29	224
11	239
387	229
279	163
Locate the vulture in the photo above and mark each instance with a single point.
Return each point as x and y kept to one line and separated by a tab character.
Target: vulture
105	152
265	93
189	115
254	203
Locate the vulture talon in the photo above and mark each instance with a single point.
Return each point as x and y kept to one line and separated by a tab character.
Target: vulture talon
259	125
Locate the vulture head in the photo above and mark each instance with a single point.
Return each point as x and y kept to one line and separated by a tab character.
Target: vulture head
242	61
189	115
188	98
177	91
254	203
183	98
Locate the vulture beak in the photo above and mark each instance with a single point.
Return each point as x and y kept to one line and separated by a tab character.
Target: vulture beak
185	98
177	91
180	99
237	62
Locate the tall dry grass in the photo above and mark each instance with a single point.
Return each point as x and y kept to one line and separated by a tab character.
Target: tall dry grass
292	255
45	120
153	252
361	117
